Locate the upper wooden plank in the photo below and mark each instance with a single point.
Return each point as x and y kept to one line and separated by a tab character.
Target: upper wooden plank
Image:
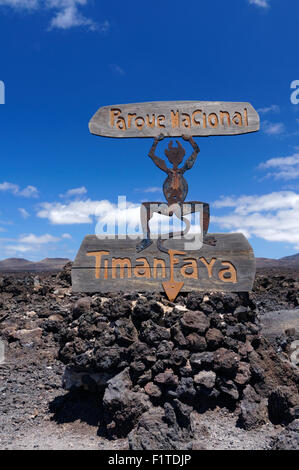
175	118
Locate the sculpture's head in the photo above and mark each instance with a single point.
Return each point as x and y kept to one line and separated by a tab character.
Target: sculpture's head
175	154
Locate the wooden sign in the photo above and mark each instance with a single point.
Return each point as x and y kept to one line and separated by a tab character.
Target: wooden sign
114	265
175	118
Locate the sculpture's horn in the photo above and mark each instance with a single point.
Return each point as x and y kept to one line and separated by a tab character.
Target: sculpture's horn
170	145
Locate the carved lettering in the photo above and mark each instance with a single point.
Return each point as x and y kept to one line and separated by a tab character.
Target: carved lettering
237	119
224	114
161	121
186	121
230	271
175	119
98	257
213	120
114	112
208	265
246	117
189	269
178	119
142	270
122	263
190	264
159	263
139	122
121	124
195	122
150	123
130	117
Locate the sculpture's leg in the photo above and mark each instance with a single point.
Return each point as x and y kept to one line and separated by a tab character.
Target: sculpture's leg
207	239
193	207
145	216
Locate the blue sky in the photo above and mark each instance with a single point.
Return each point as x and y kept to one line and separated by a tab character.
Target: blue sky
63	59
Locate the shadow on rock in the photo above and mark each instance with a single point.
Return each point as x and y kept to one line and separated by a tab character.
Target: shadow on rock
77	405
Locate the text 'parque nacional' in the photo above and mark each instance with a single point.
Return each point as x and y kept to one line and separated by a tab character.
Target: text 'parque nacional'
197	118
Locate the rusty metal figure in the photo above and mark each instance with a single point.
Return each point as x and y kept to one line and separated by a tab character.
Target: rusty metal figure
175	189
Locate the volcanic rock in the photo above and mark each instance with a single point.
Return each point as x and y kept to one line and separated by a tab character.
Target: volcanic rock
123	406
195	321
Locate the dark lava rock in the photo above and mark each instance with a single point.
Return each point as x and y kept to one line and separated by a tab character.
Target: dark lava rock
152	390
243	375
205	379
164	349
203	360
228	388
154	432
196	342
153	334
178	337
253	409
214	339
186	388
283	405
195	321
81	306
125	331
123	406
166	378
66	274
226	362
145	310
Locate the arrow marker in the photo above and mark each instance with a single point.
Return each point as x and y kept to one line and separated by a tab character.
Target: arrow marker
172	287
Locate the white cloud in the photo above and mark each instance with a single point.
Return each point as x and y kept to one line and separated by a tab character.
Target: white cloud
273	217
30	243
68	16
38	240
21	4
25	214
109	218
10	187
273	108
285	168
66	236
75	212
74	192
66	12
19	248
273	128
260	3
152	189
149	189
29	191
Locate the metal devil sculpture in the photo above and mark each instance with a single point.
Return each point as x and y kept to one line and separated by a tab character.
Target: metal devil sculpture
220	262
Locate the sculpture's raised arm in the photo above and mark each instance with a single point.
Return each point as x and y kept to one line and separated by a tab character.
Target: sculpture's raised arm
158	161
191	160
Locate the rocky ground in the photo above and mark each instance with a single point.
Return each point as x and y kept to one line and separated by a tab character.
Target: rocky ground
209	371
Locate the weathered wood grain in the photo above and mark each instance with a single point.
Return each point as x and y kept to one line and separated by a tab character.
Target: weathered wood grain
231	250
175	118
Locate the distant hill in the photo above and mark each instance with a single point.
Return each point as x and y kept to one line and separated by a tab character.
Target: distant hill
285	262
55	264
20	264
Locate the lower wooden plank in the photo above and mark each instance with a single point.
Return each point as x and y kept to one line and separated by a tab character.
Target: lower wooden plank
114	265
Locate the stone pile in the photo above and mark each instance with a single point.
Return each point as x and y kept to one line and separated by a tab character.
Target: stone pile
152	361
